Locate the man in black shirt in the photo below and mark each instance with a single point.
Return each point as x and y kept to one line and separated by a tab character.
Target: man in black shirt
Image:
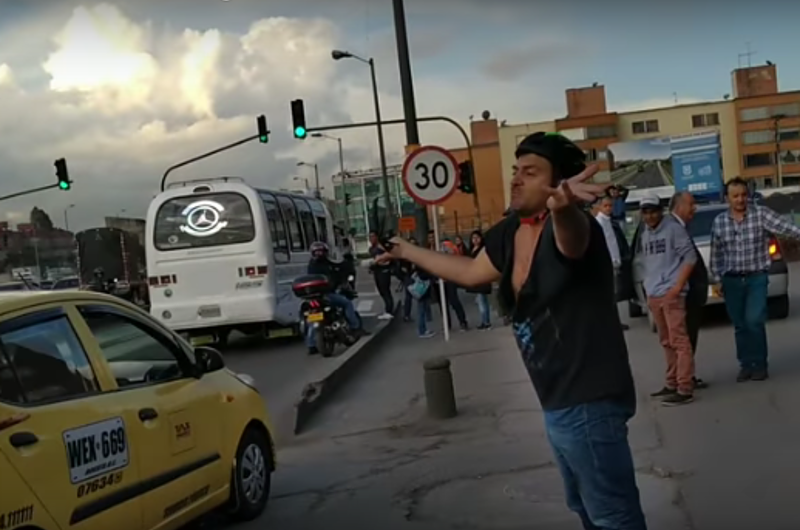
555	275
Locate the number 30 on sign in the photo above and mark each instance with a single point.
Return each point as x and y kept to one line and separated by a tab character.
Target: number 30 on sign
430	175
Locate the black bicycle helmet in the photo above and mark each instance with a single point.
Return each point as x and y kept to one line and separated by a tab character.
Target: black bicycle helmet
566	157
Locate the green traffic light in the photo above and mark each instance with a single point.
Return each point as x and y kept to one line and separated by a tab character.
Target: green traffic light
63	185
263	139
300	132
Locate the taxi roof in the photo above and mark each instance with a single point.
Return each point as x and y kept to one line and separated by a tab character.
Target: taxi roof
13	301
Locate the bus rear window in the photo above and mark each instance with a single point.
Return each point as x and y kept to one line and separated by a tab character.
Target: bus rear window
204	221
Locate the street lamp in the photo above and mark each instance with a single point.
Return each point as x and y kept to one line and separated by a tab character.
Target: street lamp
338	55
341	173
66	216
316	175
304	181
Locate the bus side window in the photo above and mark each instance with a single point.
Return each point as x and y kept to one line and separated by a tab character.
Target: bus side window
292	224
277	229
307	220
321	215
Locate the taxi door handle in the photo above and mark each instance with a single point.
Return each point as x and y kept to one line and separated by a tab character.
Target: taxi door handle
22	439
148	414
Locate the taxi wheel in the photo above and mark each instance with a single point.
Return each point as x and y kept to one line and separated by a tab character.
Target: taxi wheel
252	475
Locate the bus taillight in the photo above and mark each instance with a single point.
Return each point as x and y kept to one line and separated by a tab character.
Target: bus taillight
774	249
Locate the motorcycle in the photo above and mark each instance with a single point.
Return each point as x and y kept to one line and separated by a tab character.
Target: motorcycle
330	322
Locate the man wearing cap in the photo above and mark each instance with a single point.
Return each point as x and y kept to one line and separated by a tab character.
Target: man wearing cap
556	277
669	258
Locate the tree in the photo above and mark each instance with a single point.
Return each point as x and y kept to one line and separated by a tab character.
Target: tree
40	220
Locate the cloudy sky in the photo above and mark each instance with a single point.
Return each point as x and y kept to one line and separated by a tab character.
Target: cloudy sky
123	89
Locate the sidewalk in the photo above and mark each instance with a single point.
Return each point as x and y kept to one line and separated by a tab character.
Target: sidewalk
374	460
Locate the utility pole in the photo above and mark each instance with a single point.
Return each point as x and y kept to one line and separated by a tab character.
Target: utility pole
409	105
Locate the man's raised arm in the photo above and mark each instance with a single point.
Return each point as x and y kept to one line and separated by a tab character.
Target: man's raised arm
461	270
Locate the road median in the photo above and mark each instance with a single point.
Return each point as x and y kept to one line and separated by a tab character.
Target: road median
337	371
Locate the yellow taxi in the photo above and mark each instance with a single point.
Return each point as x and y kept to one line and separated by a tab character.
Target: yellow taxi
109	421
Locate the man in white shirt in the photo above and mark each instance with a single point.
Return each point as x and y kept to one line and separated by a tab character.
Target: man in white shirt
604	208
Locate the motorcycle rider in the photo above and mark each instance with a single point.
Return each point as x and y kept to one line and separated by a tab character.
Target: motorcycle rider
321	264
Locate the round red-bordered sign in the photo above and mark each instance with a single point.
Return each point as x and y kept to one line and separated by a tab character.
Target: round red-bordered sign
430	175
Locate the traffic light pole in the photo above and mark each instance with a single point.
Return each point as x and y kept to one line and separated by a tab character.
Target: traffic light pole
409	103
204	156
451	121
28	192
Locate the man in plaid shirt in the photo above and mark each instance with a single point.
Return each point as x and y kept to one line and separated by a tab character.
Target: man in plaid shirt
740	262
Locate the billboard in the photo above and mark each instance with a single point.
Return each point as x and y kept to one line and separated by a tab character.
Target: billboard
689	162
696	163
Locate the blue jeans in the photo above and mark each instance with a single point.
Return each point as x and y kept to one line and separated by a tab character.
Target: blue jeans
423	315
336	300
484	309
590	443
407	301
746	302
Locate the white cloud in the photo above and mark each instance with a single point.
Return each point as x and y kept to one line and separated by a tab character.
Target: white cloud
126	99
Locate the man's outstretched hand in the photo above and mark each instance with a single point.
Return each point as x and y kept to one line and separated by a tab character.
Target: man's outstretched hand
393	250
575	189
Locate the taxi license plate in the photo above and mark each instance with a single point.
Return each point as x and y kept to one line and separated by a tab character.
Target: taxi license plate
209	311
315	317
201	341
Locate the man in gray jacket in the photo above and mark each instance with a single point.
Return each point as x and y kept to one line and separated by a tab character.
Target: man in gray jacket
668	257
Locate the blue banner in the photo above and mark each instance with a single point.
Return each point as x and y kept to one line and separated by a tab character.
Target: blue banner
696	166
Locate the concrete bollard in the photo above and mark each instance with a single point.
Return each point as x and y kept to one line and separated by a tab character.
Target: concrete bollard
439	391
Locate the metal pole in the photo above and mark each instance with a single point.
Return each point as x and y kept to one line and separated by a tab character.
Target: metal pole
366	209
344	189
409	104
442	290
203	156
778	150
27	192
66	219
316	181
386	196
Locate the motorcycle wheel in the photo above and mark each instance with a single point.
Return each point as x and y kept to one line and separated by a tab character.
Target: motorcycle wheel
324	346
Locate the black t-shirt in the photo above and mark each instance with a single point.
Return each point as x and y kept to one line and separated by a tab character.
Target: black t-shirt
565	319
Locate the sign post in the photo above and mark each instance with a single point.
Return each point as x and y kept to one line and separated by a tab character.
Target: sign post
430	177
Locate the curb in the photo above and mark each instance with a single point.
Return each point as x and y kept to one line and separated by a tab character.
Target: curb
316	393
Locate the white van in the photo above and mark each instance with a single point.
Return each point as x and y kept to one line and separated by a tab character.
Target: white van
221	256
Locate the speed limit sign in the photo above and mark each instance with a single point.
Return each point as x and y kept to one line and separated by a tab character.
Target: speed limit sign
430	175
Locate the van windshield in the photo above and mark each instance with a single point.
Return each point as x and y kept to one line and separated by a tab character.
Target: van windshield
207	220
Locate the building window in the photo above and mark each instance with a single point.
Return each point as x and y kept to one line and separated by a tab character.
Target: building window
790	109
763	182
754	114
790	133
791	180
644	127
790	157
758	137
759	159
705	120
591	154
601	131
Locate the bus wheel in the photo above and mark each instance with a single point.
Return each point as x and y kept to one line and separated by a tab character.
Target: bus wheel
222	338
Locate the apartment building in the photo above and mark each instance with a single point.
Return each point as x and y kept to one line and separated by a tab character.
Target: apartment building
758	128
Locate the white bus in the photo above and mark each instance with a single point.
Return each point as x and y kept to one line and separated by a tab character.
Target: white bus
222	255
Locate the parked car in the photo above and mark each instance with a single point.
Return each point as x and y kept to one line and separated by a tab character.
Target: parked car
700	230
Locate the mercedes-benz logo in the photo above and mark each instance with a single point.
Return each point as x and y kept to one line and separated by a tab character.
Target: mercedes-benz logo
203	218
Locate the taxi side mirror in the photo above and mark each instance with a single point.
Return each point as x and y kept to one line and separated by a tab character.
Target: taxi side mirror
208	360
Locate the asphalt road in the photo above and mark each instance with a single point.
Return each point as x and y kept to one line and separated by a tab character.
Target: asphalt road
282	367
726	461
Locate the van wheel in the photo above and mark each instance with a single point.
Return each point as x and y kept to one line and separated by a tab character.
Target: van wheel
251	479
634	309
778	307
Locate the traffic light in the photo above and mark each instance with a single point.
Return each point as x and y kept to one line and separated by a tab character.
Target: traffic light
467	184
63	175
347	199
299	119
263	132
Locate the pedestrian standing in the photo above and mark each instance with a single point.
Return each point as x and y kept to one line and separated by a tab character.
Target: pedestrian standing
481	292
619	194
461	246
453	301
406	270
555	275
683	207
603	211
383	277
668	258
739	265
